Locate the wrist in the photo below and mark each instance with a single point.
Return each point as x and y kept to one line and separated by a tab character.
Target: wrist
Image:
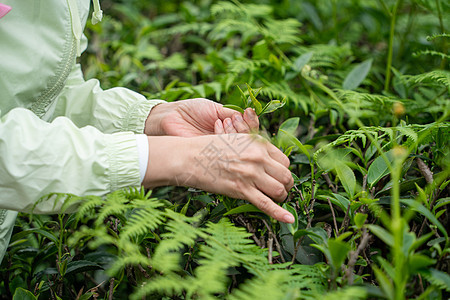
153	124
168	162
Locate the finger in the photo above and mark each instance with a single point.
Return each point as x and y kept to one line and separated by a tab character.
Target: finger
239	123
251	119
262	202
277	155
271	187
228	125
218	127
280	174
223	112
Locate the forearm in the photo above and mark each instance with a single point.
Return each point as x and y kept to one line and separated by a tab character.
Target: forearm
110	111
38	158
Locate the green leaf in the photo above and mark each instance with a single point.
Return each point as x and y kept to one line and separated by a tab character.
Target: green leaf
22	294
288	151
200	89
243	97
441	202
338	252
360	219
273	106
256	103
357	75
82	266
340	201
290	125
384	282
378	169
426	213
292	227
185	207
86	296
382	234
234	107
347	178
418	262
297	143
242	209
44	233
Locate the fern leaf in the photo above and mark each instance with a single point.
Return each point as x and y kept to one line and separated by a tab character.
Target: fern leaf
436	77
170	285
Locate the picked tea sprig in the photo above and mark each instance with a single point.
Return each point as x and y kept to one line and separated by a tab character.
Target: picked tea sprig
252	101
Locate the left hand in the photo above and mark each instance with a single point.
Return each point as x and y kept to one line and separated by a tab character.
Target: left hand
195	117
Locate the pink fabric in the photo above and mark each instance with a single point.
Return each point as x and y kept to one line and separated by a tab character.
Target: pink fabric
4	9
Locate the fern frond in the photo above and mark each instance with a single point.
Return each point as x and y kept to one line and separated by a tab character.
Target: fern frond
180	233
378	133
134	193
170	285
326	56
438	279
233	10
299	282
435	77
432	53
133	258
225	246
88	206
232	244
266	287
61	201
229	27
348	293
115	204
143	220
199	28
243	65
282	31
438	35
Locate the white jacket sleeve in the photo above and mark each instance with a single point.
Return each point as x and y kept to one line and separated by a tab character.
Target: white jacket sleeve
113	110
38	158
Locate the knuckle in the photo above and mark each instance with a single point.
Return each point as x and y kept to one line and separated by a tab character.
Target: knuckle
287	178
279	192
243	129
286	162
291	183
263	204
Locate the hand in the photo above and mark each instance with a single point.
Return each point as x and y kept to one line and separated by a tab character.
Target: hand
196	117
241	166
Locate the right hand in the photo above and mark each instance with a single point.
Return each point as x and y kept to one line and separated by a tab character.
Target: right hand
195	117
241	166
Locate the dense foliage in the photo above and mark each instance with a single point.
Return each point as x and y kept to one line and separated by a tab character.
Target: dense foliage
365	87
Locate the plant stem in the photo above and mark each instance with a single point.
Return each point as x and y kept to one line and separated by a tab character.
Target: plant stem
334	216
441	23
401	275
336	28
391	45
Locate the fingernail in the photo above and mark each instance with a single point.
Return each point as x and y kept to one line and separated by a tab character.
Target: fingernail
228	123
288	218
238	118
253	114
